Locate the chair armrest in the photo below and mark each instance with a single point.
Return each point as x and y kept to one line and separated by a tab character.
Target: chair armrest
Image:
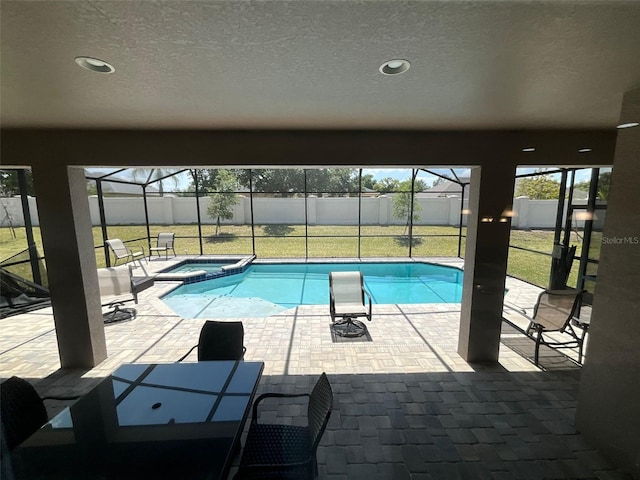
132	253
56	397
273	395
369	297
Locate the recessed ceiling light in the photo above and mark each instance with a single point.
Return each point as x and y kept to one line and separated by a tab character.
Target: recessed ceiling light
394	67
584	150
529	149
95	65
628	125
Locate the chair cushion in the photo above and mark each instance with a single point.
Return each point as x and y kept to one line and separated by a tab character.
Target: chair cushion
275	444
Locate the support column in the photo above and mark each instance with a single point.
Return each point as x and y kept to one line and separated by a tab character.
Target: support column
67	239
485	264
608	414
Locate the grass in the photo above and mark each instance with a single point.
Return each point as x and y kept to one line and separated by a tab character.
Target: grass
278	241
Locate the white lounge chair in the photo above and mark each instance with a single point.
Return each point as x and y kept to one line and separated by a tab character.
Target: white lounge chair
121	251
347	301
164	243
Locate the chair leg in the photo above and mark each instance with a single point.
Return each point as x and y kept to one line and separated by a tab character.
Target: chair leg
537	352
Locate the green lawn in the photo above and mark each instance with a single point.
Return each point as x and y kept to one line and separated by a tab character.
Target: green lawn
278	241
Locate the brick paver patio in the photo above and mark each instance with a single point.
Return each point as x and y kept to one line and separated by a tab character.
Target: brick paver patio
406	405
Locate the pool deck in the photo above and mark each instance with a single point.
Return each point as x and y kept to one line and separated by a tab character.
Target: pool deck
407	406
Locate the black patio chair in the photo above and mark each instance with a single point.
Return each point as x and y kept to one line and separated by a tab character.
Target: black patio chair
22	410
277	451
219	341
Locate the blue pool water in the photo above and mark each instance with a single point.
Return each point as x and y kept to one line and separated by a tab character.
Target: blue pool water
264	290
209	267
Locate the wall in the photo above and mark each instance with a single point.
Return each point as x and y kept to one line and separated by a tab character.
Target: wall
171	210
609	402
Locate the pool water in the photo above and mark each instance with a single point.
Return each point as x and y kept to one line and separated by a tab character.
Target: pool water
192	267
264	290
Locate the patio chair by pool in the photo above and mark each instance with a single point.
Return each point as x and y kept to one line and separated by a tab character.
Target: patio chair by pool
118	286
347	301
22	411
279	451
553	312
220	341
164	243
121	251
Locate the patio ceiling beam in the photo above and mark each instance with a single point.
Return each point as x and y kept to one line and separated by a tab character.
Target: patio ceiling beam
313	148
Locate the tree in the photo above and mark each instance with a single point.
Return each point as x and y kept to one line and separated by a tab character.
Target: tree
291	181
9	183
604	183
148	175
402	202
285	181
368	181
538	188
437	181
92	189
386	185
208	179
224	197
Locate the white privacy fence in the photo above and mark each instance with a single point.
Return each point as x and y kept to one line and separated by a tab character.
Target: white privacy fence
171	210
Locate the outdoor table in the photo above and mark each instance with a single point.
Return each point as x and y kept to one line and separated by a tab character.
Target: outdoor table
178	420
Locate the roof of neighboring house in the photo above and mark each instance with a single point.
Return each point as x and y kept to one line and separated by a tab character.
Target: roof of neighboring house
116	188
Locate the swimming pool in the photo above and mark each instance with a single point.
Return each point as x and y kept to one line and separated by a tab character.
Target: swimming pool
209	267
267	289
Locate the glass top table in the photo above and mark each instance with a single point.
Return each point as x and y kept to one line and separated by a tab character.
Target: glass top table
178	420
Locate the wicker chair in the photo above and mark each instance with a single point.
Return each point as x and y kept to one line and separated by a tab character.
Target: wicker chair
22	410
276	451
220	341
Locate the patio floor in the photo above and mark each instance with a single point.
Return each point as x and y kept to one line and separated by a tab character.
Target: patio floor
406	405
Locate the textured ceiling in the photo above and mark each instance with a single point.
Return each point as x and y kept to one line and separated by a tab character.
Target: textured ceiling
314	64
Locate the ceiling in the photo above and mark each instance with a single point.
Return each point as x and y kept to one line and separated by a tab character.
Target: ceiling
504	64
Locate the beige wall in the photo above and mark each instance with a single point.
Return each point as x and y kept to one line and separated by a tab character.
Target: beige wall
609	403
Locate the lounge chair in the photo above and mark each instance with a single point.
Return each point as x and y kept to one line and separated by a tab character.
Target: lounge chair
117	286
279	451
554	312
164	243
121	251
219	341
347	301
